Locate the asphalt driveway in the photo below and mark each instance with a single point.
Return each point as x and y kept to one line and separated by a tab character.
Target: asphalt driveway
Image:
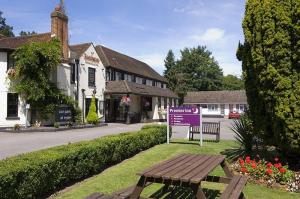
12	144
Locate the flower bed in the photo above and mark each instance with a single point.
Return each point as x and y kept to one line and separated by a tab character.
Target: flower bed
272	174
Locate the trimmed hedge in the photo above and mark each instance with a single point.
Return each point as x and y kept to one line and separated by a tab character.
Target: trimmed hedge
38	174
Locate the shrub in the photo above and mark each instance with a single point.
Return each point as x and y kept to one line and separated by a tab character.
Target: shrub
17	127
38	174
92	117
56	125
243	130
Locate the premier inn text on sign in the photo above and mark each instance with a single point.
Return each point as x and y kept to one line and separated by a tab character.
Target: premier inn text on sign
184	116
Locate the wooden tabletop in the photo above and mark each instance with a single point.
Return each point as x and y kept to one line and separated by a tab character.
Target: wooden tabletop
185	168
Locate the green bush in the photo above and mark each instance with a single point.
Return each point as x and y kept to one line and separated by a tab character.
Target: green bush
92	117
243	130
38	174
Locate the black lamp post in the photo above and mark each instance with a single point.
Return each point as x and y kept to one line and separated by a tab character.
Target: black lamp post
83	108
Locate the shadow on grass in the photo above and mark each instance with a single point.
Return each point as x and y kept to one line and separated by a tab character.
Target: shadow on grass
182	193
192	142
233	154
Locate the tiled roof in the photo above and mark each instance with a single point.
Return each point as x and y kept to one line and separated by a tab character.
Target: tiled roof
123	87
79	49
15	42
238	96
2	36
111	58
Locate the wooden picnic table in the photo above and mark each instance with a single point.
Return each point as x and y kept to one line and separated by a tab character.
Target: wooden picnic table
189	170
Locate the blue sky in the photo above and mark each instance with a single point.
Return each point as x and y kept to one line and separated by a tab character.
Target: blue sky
143	29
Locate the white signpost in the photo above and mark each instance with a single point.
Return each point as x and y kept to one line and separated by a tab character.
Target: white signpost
184	116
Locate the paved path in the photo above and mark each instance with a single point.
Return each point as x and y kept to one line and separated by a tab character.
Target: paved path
16	143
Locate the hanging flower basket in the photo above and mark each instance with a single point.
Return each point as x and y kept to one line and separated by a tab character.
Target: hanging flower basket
162	111
125	101
11	72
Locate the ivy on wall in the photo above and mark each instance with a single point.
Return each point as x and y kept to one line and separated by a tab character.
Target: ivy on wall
35	76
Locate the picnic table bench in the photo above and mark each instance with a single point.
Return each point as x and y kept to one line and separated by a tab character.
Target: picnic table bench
209	128
186	170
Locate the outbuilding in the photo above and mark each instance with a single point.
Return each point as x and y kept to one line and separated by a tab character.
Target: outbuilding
218	103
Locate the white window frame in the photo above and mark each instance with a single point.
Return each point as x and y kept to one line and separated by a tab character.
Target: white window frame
212	107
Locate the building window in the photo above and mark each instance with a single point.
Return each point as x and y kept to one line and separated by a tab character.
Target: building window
10	60
241	107
158	84
139	80
108	78
128	77
153	83
144	81
203	105
159	102
212	107
73	73
12	105
101	107
118	76
92	77
149	82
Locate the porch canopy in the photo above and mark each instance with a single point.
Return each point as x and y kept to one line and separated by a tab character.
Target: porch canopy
125	87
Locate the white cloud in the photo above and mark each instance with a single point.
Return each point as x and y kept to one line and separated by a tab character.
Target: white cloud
210	35
192	7
156	61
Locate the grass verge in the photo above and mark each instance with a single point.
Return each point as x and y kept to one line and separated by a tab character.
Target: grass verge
124	174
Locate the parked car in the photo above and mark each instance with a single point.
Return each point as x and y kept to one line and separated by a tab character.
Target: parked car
234	115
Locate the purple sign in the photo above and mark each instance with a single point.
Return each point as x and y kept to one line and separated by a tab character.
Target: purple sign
184	116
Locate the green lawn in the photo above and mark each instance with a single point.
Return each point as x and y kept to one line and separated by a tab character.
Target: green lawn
124	174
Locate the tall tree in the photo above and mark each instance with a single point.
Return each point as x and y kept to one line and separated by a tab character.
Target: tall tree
5	29
27	33
201	70
231	82
170	70
271	67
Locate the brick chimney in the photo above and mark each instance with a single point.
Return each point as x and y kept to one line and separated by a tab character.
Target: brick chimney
59	28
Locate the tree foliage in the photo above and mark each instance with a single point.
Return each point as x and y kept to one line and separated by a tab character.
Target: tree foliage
197	70
27	33
231	82
271	69
170	71
5	29
92	117
36	64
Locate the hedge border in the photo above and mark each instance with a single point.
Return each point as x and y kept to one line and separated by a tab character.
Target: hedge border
39	174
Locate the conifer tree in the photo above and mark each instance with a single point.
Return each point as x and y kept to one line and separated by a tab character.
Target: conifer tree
271	70
170	71
92	117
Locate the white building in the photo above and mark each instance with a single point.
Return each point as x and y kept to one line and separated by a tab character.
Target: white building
80	74
86	70
218	103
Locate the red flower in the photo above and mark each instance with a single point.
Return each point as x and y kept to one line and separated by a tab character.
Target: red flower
241	161
282	170
269	165
248	159
244	170
269	171
278	165
276	159
253	165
